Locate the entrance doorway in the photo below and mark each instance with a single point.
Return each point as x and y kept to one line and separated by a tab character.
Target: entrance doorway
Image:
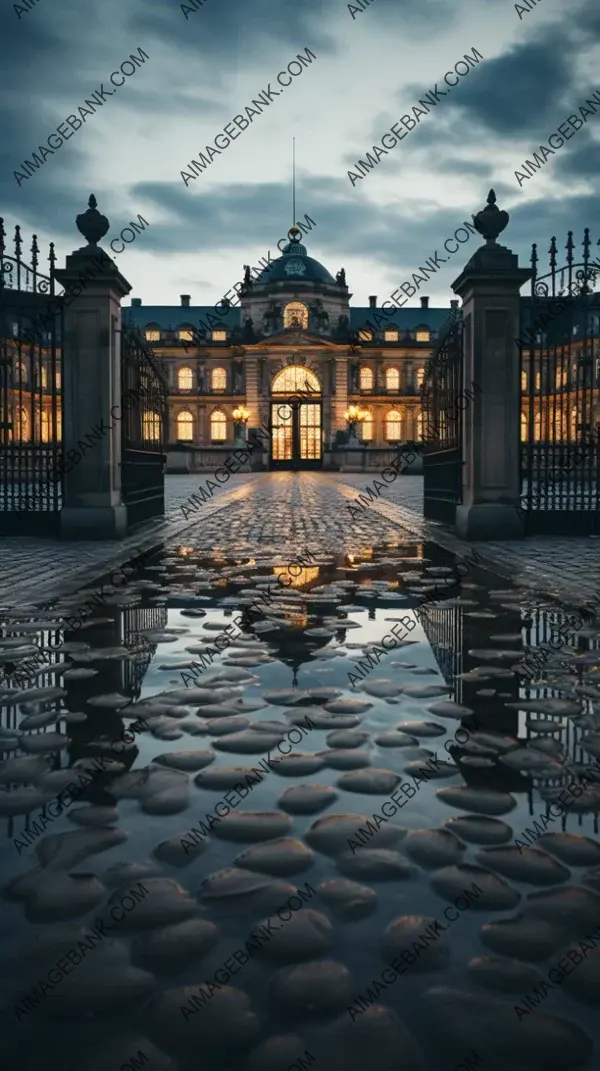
296	435
296	419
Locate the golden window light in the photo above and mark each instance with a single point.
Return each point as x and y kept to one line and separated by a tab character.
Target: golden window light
295	379
393	425
295	313
365	335
420	376
185	427
423	336
391	336
392	379
218	379
152	335
219	336
366	379
151	426
367	426
218	426
185	379
185	335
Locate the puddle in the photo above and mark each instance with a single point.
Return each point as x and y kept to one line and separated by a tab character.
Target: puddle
204	845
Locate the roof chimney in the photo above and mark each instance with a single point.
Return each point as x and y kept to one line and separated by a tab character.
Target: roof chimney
424	302
454	304
185	301
136	301
373	301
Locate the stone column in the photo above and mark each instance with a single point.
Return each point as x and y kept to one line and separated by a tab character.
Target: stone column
92	502
489	287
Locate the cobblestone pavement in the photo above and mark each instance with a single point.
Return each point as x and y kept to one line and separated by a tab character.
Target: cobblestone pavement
285	511
568	568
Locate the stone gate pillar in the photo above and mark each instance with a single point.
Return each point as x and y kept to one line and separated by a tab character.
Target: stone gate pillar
91	388
489	287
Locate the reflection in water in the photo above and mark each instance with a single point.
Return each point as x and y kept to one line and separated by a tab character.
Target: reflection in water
200	909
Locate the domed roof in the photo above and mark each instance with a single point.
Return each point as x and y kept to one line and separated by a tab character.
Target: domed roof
294	265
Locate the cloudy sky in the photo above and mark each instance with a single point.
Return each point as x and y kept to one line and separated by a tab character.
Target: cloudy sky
369	71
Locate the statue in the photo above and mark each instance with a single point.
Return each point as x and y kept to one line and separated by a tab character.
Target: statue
249	335
319	318
272	317
247	277
341	277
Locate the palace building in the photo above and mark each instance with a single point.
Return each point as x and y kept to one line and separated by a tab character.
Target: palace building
292	337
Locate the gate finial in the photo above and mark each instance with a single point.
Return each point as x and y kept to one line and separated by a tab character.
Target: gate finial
92	224
491	221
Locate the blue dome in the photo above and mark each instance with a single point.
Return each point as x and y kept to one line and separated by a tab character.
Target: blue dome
294	265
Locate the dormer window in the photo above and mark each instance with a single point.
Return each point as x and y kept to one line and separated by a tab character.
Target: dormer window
186	334
391	335
152	333
365	336
219	336
295	315
423	336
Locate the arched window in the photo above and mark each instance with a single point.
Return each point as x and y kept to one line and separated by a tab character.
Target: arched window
151	426
218	379
366	432
295	379
295	313
218	426
185	379
152	333
366	379
392	379
524	380
393	426
21	376
185	427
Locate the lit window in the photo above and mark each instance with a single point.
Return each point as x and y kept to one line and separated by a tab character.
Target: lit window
219	336
185	379
58	379
186	335
295	379
151	427
561	377
43	377
152	335
423	336
367	429
365	336
295	314
537	427
218	379
538	380
420	376
218	426
420	427
393	426
523	380
366	379
20	372
524	428
392	379
185	427
391	336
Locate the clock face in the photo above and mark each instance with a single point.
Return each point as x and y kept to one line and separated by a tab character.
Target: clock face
295	267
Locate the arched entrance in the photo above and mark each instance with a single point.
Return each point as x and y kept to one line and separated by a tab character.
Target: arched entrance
296	419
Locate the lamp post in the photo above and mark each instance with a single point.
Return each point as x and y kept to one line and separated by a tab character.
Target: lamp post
240	417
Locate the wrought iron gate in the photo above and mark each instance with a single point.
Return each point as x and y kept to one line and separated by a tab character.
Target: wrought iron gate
31	451
144	428
441	390
560	415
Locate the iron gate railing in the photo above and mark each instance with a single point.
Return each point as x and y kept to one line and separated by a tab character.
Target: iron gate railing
560	416
31	449
441	390
144	395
